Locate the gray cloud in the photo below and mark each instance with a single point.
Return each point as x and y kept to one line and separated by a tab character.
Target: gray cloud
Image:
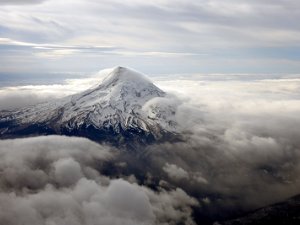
241	140
175	172
59	180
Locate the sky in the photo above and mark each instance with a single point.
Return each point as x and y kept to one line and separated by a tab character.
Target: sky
58	38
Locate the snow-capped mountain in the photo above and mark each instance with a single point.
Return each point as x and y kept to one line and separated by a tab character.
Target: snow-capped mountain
125	107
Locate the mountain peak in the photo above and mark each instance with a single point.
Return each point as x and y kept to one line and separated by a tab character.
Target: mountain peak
123	75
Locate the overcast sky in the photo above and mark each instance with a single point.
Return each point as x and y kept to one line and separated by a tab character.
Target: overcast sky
158	36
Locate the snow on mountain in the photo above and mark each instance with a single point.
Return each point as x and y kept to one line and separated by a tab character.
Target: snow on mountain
126	103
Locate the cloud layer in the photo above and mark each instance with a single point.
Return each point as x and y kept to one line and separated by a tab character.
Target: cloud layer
242	148
240	151
203	36
58	180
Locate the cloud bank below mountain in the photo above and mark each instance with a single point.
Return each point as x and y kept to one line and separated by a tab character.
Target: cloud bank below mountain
58	180
241	148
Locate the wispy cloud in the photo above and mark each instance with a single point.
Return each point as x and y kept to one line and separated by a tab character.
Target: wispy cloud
58	51
207	30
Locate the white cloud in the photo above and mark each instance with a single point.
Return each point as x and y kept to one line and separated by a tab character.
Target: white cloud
175	172
12	97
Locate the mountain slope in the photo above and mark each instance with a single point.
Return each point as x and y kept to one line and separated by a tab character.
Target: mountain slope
119	111
287	212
